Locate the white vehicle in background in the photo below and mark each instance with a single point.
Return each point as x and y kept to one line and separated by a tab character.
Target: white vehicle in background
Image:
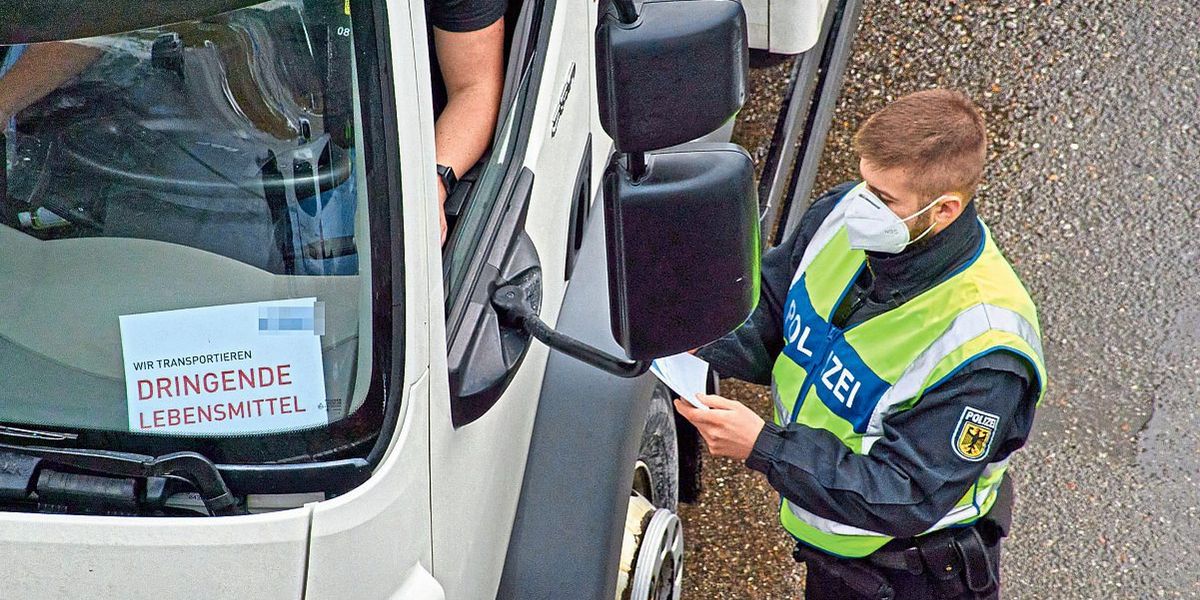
784	26
235	188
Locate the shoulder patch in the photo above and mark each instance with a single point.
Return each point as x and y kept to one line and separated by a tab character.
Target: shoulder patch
973	436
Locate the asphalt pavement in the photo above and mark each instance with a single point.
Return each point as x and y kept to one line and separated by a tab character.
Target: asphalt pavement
1093	192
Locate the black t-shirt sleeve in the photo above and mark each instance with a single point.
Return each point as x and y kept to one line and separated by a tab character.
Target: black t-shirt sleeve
460	16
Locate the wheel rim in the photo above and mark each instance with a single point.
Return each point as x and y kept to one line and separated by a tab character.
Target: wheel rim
643	481
658	573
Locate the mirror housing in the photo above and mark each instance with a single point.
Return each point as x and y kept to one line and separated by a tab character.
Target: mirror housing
683	248
674	74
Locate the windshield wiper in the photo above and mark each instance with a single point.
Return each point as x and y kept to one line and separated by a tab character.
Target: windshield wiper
192	466
33	434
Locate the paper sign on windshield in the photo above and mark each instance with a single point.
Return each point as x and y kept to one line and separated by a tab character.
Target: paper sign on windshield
222	370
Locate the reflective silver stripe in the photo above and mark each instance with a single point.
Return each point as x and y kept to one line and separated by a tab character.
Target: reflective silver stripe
827	526
784	416
829	228
956	515
992	468
966	511
972	323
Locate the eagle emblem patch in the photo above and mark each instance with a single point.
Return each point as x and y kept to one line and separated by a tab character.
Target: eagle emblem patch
973	435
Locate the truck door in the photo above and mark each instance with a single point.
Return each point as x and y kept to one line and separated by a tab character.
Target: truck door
519	218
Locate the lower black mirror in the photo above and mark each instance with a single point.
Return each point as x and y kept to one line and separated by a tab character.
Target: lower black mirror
683	248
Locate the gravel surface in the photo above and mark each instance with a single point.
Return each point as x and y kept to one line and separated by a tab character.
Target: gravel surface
1092	193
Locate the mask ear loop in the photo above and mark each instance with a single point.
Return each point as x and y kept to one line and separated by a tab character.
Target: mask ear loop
923	234
922	211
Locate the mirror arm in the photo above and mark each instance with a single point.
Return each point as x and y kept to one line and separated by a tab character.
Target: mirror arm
514	303
626	11
636	163
621	367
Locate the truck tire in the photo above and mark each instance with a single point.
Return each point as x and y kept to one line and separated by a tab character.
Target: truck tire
651	565
656	474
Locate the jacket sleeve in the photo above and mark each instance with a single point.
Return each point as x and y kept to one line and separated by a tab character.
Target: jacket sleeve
748	352
913	476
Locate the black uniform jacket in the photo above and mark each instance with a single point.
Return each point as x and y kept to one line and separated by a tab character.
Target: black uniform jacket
912	477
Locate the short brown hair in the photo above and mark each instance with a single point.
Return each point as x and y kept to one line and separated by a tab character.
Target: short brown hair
937	136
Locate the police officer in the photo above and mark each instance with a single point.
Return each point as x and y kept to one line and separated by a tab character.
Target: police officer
905	361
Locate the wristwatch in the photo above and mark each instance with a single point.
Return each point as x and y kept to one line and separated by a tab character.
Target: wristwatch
446	174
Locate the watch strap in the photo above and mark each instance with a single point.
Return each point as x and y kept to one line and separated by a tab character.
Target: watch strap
449	180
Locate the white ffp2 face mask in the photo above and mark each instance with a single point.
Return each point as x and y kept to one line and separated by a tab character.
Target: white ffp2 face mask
872	226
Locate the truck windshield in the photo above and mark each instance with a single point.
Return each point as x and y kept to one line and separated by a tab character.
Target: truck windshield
185	240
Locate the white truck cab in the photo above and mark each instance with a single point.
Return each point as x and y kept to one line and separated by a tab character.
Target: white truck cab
237	364
784	26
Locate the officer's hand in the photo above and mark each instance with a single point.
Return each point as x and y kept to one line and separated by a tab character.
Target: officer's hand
729	428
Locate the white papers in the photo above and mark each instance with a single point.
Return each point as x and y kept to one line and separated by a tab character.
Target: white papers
685	374
221	370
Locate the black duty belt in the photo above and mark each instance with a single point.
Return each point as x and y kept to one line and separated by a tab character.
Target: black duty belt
857	575
956	559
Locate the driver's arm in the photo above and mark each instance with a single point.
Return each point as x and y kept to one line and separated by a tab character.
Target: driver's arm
473	69
41	70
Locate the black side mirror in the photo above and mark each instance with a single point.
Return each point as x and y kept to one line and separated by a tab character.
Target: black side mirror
683	248
682	224
683	257
671	72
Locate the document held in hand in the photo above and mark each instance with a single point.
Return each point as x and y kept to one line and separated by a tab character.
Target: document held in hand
685	374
